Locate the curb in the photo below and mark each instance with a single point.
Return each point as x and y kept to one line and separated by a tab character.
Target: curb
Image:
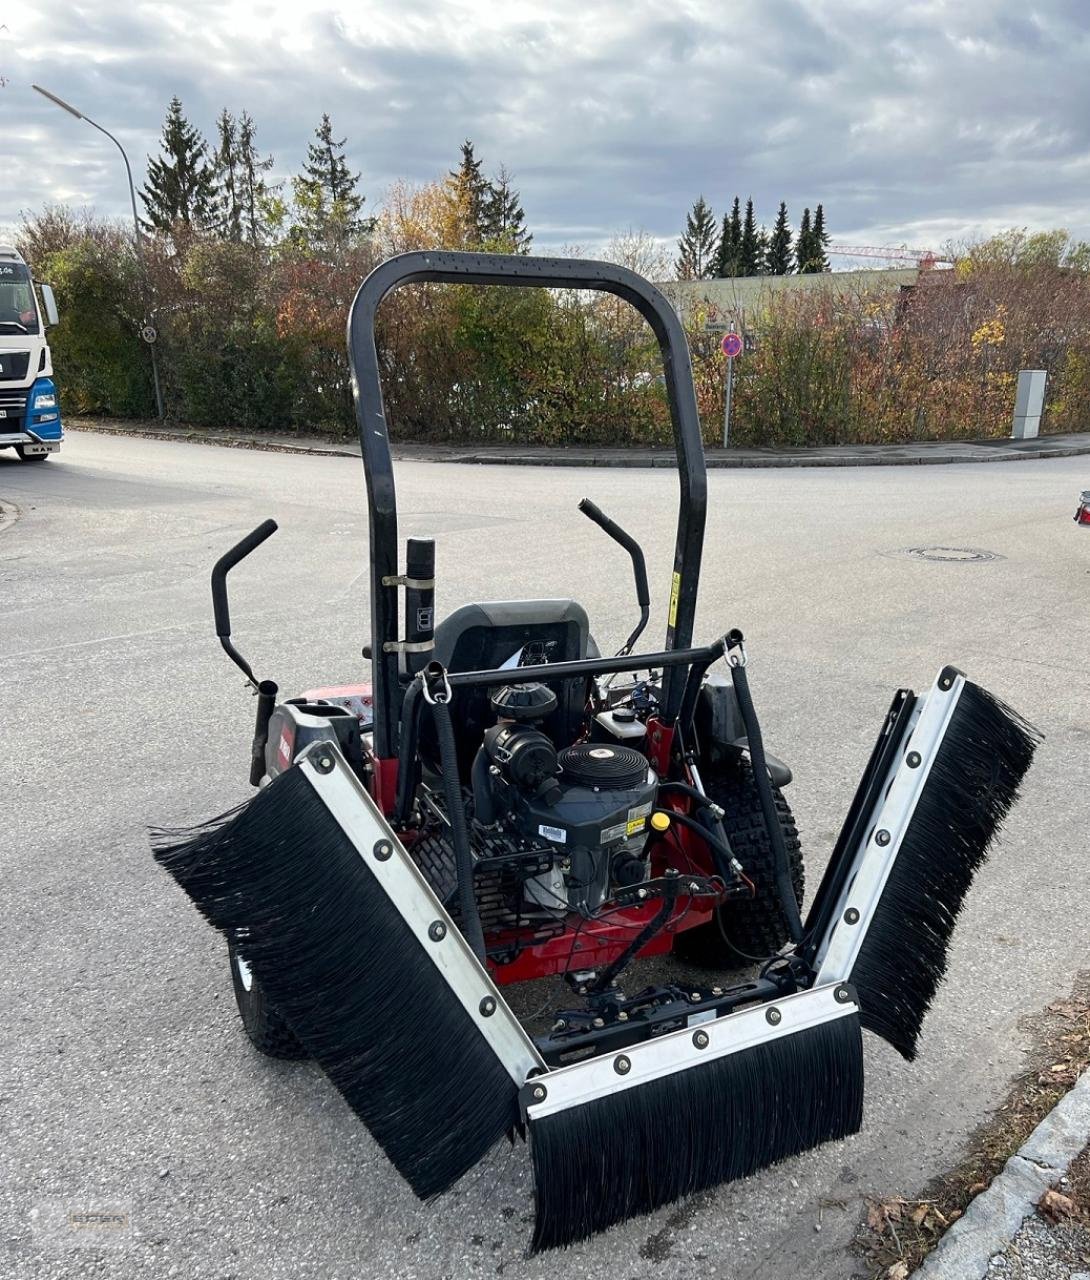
928	453
994	1217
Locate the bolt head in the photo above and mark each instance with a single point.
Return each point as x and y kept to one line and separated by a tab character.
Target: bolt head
383	850
700	1039
622	1016
774	1016
882	837
599	1022
913	760
851	916
622	1065
437	931
487	1007
539	1093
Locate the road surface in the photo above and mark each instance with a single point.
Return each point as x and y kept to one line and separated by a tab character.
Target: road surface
125	1079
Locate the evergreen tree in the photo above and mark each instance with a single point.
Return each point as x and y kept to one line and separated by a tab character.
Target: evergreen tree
227	216
473	191
779	259
180	186
503	218
821	240
325	192
697	246
253	192
749	247
728	255
762	251
804	244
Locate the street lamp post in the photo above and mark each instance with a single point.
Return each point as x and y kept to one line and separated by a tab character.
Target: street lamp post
136	226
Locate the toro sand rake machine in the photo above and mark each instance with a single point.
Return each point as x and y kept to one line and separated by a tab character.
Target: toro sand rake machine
503	804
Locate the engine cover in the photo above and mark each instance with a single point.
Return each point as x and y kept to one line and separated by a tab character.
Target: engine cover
603	800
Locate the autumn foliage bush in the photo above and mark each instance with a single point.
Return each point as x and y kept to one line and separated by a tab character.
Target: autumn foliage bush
254	337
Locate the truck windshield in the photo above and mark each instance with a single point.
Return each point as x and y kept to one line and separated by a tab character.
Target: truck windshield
18	312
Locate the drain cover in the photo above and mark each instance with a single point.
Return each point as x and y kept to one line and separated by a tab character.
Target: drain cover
951	555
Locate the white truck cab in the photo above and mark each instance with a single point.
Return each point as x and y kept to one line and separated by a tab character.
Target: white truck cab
30	412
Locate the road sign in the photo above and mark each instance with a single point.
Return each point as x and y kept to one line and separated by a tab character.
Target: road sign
148	333
732	345
716	326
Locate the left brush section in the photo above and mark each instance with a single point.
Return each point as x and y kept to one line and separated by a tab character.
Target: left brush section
314	890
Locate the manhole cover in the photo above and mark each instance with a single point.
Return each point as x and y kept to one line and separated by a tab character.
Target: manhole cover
951	555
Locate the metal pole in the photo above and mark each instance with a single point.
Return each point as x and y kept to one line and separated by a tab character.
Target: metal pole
726	406
136	228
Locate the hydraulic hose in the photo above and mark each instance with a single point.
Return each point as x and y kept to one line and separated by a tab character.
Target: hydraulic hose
785	890
456	813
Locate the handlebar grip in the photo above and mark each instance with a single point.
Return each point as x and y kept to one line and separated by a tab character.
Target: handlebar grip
223	567
639	567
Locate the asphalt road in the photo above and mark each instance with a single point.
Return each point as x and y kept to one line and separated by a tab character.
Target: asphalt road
125	1079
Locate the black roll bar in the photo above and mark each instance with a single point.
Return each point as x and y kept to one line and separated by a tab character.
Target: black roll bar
515	270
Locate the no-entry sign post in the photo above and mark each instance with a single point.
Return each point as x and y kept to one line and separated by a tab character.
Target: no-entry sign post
732	347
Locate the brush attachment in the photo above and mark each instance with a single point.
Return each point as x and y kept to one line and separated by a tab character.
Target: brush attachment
361	960
622	1134
950	789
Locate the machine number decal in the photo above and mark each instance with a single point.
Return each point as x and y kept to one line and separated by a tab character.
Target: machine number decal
618	832
557	834
675	592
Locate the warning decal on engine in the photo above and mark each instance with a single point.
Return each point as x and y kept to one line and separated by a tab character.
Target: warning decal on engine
557	834
636	824
616	832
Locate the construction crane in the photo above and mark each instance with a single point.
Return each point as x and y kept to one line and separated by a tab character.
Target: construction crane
925	259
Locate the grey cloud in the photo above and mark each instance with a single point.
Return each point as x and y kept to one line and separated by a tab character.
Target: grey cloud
912	122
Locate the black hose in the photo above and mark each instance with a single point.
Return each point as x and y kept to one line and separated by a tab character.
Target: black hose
785	890
408	762
721	852
459	830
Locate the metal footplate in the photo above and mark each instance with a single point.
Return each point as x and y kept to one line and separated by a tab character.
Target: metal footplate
877	851
362	822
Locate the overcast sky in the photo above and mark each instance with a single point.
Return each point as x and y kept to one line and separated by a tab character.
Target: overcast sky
914	122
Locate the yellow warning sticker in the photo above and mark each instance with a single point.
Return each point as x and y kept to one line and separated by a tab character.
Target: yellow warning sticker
636	825
675	592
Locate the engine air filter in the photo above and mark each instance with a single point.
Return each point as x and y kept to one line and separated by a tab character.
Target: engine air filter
610	768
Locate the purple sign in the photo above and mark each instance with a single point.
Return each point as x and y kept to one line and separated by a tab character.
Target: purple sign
732	345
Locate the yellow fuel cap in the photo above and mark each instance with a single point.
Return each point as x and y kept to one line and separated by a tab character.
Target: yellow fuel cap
660	821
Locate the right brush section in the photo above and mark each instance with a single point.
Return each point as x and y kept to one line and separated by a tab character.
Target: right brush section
940	785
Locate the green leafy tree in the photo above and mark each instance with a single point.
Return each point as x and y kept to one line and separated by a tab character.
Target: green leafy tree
326	200
256	198
502	215
696	258
780	259
729	253
749	248
180	187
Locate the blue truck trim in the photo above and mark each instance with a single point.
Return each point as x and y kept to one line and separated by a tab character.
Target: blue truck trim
43	420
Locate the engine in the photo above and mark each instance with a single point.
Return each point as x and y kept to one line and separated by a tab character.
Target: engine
591	801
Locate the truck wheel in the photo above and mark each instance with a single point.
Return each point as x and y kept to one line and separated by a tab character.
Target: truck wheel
266	1028
31	457
755	926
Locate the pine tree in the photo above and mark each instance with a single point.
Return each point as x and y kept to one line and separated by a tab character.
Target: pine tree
779	258
503	219
253	192
821	240
180	186
472	190
697	246
804	247
749	247
728	254
762	251
227	214
325	192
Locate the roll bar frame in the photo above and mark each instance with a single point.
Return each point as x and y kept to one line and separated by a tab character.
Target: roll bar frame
518	271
